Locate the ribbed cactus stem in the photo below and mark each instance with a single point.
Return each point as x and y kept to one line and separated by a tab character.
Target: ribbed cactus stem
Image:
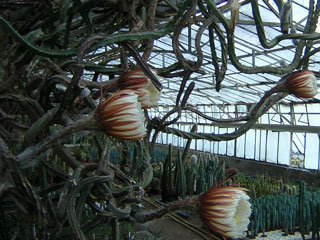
302	188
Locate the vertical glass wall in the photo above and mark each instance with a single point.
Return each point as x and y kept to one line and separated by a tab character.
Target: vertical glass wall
287	134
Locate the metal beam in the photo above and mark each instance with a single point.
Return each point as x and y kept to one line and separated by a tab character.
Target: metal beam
271	127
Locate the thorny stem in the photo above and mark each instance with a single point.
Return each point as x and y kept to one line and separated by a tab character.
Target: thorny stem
178	109
152	7
69	96
182	86
187	203
261	34
28	156
177	32
143	66
260	108
23	186
200	231
229	120
278	88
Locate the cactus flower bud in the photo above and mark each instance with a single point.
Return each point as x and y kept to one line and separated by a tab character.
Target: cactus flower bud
225	210
136	80
302	84
121	116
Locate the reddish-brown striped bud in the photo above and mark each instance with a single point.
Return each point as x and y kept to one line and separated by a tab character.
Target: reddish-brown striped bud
302	84
136	80
225	210
121	116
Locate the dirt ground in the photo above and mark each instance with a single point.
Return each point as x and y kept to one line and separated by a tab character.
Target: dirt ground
168	229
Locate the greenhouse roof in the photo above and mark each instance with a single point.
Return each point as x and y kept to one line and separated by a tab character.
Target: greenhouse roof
238	86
